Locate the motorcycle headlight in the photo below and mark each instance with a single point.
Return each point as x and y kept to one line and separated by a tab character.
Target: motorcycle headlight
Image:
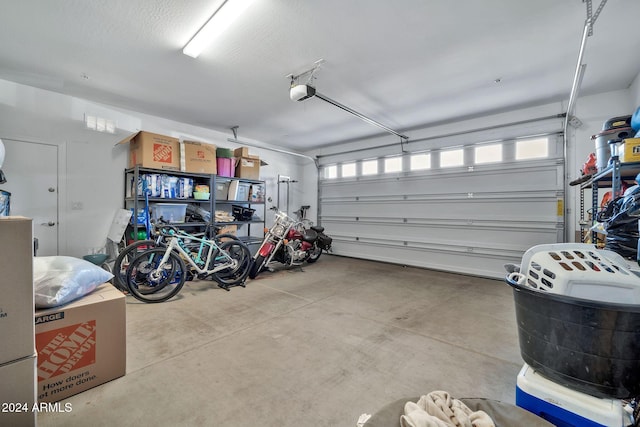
278	230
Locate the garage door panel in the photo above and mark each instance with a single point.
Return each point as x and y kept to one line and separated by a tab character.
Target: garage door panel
470	219
471	209
486	265
510	236
525	179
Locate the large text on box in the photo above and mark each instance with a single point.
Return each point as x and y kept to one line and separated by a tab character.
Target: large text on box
62	350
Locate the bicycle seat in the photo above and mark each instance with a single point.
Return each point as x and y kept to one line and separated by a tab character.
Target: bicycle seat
317	228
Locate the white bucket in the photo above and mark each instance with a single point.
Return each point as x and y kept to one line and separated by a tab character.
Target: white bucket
603	151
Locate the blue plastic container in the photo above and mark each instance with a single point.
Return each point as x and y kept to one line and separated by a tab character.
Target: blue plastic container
635	120
5	203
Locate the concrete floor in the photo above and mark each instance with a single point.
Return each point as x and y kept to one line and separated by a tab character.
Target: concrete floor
298	348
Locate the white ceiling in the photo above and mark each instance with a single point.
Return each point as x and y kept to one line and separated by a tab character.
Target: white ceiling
404	63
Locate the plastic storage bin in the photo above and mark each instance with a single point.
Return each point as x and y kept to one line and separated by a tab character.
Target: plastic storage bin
565	407
590	346
222	190
581	271
170	212
225	166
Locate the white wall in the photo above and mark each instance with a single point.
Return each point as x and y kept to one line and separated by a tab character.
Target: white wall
635	91
91	167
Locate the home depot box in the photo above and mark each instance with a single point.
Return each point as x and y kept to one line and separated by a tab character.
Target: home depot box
16	288
630	150
151	150
248	168
18	393
198	157
80	345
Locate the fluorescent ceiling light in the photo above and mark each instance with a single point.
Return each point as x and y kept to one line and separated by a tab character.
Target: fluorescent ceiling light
220	21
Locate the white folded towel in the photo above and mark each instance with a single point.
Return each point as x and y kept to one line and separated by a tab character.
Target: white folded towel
438	409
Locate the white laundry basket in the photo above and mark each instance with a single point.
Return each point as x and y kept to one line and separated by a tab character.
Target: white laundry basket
581	271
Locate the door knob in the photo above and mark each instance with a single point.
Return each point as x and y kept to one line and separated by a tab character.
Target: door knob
50	223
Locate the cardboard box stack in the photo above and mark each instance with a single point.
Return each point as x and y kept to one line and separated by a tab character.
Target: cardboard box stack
247	166
17	351
154	151
81	344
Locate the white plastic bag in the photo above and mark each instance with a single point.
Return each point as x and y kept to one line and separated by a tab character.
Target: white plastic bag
59	280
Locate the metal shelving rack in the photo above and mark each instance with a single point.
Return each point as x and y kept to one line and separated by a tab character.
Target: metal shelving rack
137	201
219	203
610	177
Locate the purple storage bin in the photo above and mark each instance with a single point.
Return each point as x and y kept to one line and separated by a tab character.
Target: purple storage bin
225	167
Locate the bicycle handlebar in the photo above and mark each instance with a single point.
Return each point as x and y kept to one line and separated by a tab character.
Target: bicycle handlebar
167	230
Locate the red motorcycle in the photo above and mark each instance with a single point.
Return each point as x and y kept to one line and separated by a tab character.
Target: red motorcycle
290	243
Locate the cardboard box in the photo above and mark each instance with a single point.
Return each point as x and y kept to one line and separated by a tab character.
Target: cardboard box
18	393
243	152
81	345
248	168
198	157
231	229
151	150
16	288
630	150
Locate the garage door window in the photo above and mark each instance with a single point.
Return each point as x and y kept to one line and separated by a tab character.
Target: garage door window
420	161
331	172
490	153
393	164
537	148
370	167
451	158
348	170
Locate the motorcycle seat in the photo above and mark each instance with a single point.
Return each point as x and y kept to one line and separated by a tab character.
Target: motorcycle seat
309	236
317	228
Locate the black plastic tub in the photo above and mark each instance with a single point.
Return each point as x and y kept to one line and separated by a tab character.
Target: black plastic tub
584	345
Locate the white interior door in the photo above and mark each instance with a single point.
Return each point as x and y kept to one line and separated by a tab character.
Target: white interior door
31	170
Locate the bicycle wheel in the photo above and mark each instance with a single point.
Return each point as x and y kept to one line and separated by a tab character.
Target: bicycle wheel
231	276
149	281
125	257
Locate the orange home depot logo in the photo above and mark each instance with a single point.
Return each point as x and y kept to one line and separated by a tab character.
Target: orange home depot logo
162	153
200	154
63	350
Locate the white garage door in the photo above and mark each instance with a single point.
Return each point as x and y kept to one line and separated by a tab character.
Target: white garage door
469	208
